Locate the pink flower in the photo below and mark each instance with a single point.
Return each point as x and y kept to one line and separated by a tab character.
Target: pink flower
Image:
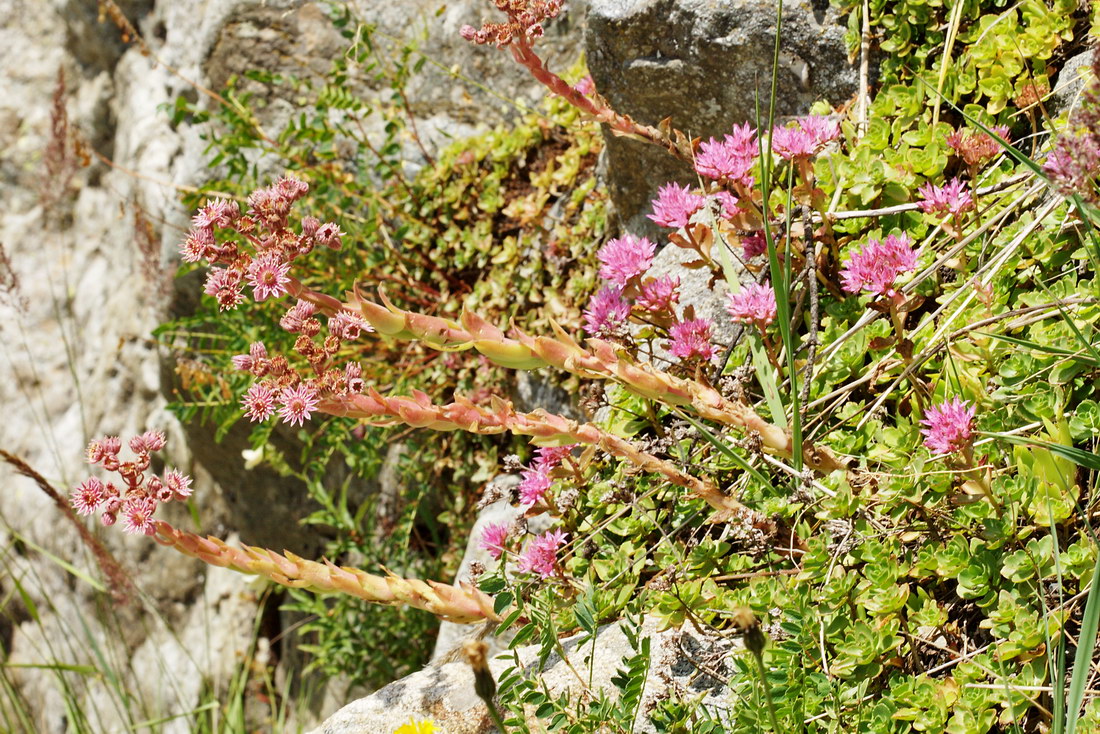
606	312
624	258
753	245
535	481
585	86
754	304
267	275
224	285
291	188
137	516
806	138
88	496
541	554
948	426
295	318
793	142
552	456
329	234
353	377
657	296
298	403
493	538
102	449
822	129
197	246
728	204
730	159
674	206
259	402
347	325
878	265
178	482
691	339
218	213
951	197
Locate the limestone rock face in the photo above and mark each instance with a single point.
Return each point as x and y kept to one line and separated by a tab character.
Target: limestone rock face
88	255
704	64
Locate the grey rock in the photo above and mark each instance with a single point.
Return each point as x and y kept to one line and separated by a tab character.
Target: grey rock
703	63
682	660
1071	82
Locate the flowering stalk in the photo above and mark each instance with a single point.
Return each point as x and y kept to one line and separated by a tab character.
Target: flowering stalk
463	604
547	429
601	361
525	18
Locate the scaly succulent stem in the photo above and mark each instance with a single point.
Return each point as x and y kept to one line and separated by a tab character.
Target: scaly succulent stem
464	604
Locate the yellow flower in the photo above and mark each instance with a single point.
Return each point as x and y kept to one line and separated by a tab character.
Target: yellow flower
414	727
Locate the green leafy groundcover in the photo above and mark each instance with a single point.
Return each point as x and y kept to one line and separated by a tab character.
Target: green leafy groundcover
917	599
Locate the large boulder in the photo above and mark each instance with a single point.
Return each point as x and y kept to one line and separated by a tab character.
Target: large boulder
705	64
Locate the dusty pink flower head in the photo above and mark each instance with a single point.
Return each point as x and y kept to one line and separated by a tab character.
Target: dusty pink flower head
347	325
267	275
218	213
298	404
823	129
258	402
754	304
197	246
753	245
624	258
224	284
137	516
329	234
178	482
691	339
948	426
658	295
606	312
295	318
533	485
878	265
722	160
727	202
353	377
88	496
541	555
552	456
951	197
674	205
493	538
793	142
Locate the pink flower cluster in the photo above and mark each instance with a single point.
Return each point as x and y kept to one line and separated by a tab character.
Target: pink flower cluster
139	495
494	538
282	390
1074	163
625	258
753	304
948	426
264	264
953	197
535	479
525	19
658	295
979	147
691	339
731	159
607	312
541	555
877	266
675	204
808	136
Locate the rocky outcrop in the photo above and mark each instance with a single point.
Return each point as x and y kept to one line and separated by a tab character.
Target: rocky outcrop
704	64
91	235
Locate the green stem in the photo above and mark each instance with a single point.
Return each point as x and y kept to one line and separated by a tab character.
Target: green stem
767	690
